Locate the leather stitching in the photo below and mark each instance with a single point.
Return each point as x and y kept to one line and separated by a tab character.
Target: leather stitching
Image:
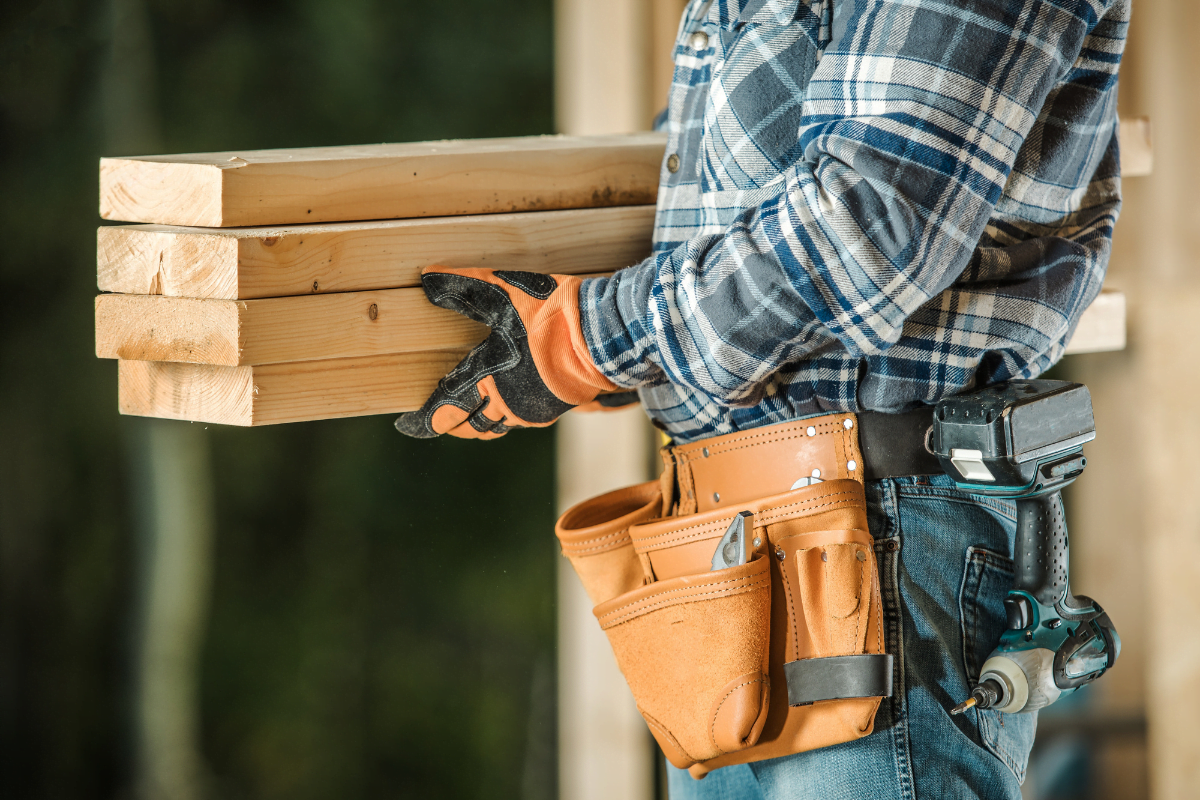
712	729
641	607
791	608
693	453
617	533
859	617
579	551
670	601
781	517
622	533
764	517
653	723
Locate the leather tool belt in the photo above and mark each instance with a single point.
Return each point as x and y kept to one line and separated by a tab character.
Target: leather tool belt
779	655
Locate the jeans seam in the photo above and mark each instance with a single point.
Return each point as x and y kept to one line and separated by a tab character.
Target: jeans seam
893	615
1002	507
975	556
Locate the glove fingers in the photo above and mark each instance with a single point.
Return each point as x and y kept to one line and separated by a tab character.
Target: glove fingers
492	418
480	426
468	390
441	413
498	410
452	402
468	294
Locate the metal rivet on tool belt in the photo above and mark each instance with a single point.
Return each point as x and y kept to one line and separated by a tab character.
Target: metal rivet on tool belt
699	40
860	555
816	473
673	163
716	497
824	556
758	541
780	554
848	424
705	451
852	465
811	431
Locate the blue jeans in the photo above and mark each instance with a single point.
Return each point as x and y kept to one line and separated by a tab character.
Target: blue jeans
945	566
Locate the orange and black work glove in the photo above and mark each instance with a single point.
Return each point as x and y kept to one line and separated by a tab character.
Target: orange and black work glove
532	369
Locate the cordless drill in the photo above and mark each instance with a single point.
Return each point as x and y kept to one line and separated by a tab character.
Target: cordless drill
1022	440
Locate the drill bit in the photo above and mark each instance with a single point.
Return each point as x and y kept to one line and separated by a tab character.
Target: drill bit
983	695
963	706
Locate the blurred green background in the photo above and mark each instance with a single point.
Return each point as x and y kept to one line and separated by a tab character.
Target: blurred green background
378	618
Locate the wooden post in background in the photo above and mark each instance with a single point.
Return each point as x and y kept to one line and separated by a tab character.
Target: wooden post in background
1158	248
610	78
1135	521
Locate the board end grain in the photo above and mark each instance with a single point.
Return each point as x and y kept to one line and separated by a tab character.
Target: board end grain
171	193
194	392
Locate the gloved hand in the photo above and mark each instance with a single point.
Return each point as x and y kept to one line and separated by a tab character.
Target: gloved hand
532	369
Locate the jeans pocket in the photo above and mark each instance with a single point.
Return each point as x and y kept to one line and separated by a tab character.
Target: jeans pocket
987	577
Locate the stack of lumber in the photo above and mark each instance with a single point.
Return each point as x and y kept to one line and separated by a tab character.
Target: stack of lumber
284	285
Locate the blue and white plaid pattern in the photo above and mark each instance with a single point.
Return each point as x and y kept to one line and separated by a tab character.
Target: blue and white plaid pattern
878	203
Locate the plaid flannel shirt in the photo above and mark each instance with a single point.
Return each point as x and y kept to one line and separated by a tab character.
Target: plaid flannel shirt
867	204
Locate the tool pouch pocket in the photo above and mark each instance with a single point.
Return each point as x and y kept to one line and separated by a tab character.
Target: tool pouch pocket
835	645
694	651
594	535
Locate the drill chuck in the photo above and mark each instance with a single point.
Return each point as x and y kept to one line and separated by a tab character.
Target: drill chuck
985	695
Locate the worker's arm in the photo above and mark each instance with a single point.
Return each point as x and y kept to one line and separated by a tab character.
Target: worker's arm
911	126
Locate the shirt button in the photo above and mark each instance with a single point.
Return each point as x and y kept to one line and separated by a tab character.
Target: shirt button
673	163
699	40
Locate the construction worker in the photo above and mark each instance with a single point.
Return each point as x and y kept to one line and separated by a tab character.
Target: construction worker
865	206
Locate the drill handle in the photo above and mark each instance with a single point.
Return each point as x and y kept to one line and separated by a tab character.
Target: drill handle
1042	551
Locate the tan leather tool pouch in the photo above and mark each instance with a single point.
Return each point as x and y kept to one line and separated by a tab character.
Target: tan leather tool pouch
704	651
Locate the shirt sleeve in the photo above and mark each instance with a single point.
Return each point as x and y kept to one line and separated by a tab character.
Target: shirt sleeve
911	126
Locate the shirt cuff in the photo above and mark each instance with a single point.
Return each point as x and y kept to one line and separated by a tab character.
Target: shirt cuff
613	313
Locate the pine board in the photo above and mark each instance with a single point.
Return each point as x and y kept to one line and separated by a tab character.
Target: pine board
1137	147
355	324
385	181
247	263
1102	327
268	395
277	330
380	384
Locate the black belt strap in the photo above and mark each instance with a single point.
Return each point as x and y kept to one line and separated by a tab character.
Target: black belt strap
893	445
838	677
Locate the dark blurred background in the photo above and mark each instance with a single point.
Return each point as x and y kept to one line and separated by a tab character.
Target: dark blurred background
374	616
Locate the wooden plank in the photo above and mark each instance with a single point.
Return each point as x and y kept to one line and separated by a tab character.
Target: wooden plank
1102	327
1137	147
385	181
400	181
276	393
277	330
244	263
333	388
356	324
